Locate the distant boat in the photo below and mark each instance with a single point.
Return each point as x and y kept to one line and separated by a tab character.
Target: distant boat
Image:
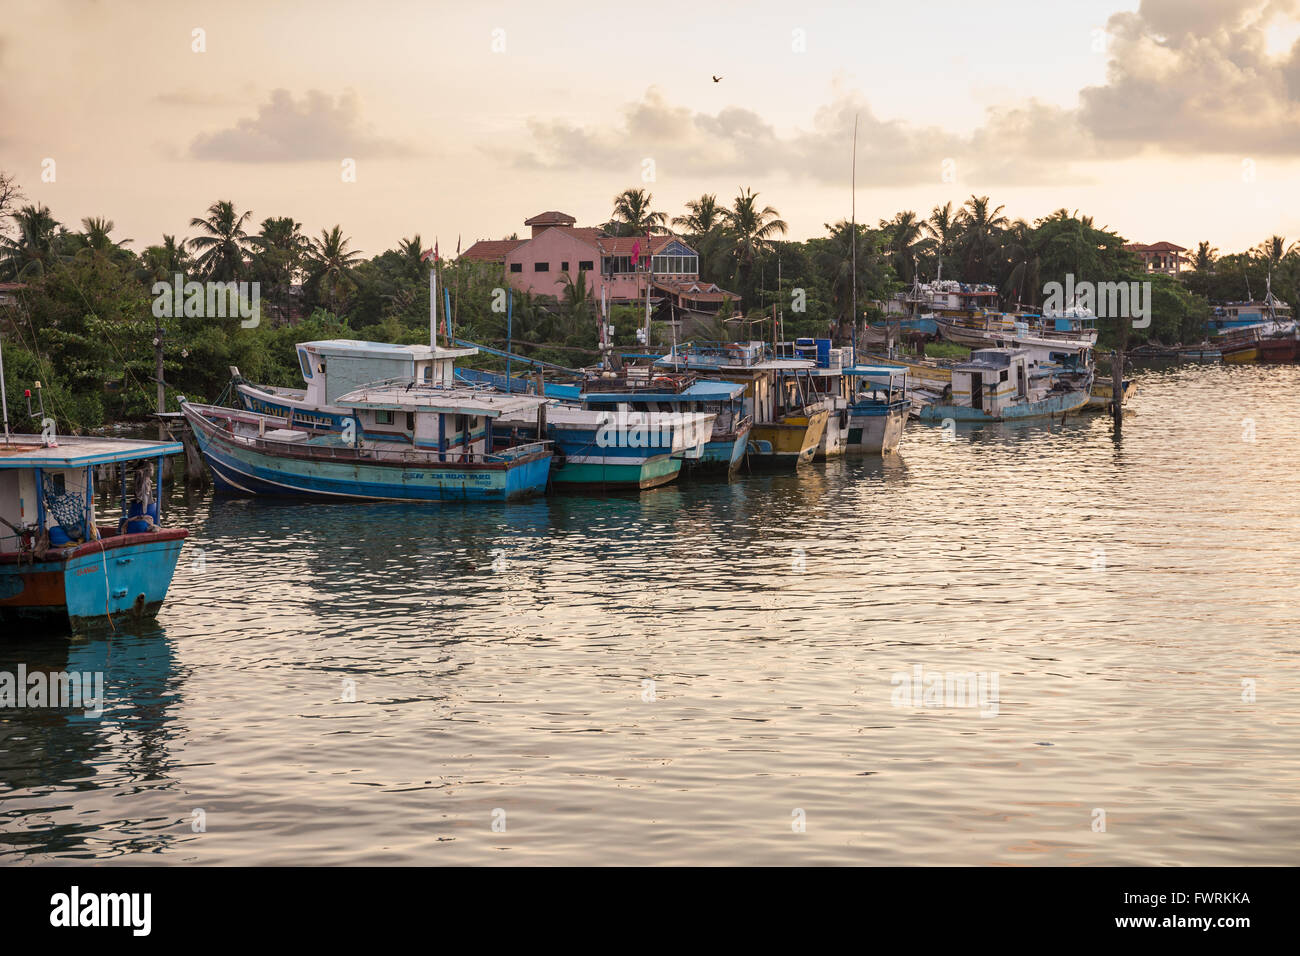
411	442
1102	394
1003	384
61	569
878	409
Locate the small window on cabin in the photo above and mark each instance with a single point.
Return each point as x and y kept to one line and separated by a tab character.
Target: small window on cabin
564	267
305	363
383	416
57	481
516	267
428	373
585	264
1002	376
410	421
460	423
541	267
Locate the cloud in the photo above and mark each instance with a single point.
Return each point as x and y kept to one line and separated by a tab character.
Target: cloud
197	99
1197	78
285	130
1020	145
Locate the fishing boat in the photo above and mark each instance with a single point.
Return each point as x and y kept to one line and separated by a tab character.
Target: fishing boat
788	420
1004	384
1022	330
60	568
651	389
878	408
333	367
612	450
411	442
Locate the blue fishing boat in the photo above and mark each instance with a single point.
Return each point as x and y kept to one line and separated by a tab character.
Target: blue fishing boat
642	389
401	441
878	408
60	568
1005	384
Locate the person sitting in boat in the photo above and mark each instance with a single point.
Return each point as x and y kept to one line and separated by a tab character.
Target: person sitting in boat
142	514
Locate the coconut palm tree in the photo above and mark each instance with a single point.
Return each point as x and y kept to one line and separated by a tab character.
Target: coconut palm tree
633	216
943	227
223	244
906	242
332	264
980	238
411	252
279	251
161	262
33	250
1203	261
753	232
1021	252
703	217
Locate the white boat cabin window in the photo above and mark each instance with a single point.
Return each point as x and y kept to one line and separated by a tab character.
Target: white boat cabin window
383	416
305	362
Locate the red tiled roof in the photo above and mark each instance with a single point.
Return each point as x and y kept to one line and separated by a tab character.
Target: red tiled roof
551	217
1154	247
622	245
492	250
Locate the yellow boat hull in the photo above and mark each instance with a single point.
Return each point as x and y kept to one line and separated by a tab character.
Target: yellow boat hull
787	443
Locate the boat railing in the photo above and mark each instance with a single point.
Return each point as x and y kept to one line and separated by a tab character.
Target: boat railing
404	455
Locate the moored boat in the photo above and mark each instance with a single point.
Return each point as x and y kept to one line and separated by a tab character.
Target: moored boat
1003	384
411	442
59	568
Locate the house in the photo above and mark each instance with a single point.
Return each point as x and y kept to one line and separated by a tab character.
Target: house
9	293
621	268
1163	257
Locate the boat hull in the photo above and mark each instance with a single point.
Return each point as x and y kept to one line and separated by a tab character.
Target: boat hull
1102	392
240	469
788	443
722	455
877	429
1056	405
79	586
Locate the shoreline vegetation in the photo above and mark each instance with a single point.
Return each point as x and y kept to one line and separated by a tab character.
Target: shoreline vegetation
81	318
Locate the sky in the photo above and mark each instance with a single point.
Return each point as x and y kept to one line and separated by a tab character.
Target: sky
1173	120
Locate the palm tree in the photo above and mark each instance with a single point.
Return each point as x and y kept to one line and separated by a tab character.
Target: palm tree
943	227
1022	257
95	239
161	263
333	262
575	295
754	233
33	249
704	216
1203	261
411	252
981	227
279	251
1274	249
905	242
633	216
223	244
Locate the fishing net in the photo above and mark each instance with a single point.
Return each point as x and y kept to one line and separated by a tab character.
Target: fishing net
67	507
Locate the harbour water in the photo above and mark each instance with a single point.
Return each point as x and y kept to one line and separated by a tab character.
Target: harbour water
707	673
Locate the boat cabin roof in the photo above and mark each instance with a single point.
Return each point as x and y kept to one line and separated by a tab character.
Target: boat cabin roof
444	401
784	365
701	391
75	451
355	348
984	359
874	371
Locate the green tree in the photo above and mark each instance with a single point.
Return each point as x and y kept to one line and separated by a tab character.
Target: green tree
223	244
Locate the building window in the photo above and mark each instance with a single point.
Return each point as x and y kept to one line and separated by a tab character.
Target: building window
586	264
616	265
564	267
541	267
516	267
383	416
677	265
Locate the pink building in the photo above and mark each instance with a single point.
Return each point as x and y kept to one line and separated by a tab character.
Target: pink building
1162	257
620	266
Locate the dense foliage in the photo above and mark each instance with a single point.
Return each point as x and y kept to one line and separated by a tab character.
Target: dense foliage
84	323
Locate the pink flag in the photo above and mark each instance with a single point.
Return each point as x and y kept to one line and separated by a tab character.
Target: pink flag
636	253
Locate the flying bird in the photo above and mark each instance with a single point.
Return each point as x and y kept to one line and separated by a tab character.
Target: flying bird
717	79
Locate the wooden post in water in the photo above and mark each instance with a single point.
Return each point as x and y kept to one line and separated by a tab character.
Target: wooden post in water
1117	388
541	409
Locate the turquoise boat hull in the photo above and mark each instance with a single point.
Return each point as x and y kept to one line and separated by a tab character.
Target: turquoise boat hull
126	575
304	472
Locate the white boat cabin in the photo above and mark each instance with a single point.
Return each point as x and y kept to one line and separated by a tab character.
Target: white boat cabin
333	367
451	421
993	380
